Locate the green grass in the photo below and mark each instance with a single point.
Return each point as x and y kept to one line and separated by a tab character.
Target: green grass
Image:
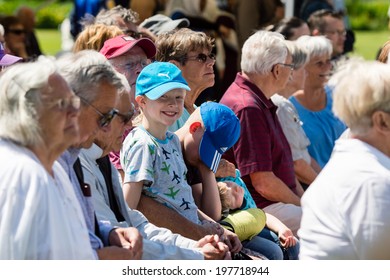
366	45
49	41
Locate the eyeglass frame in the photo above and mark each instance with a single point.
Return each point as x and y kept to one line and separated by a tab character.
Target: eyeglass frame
128	116
198	58
134	34
334	32
65	104
290	65
201	57
130	66
106	118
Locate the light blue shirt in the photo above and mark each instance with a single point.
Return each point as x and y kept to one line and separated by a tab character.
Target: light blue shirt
322	128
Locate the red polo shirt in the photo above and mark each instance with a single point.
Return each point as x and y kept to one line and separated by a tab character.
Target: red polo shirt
262	145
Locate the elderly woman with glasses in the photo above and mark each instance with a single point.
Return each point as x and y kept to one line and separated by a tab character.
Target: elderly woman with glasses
190	51
346	210
314	101
40	215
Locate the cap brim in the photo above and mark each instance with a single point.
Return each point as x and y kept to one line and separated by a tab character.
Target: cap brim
145	44
157	92
148	46
172	25
208	153
8	59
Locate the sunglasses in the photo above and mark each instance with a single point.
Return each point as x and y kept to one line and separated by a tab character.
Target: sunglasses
134	34
65	104
105	119
126	118
202	58
17	31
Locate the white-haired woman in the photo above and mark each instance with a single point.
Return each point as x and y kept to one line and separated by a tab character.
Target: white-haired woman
40	215
314	102
346	210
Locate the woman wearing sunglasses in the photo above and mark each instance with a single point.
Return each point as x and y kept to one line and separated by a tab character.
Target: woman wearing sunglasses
14	36
40	215
191	52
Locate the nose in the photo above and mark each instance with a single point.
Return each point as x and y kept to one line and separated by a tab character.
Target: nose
210	61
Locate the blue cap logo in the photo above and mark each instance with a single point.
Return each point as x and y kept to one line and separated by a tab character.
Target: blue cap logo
222	130
158	78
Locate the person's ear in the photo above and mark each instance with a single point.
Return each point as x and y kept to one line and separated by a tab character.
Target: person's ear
194	127
177	63
140	99
316	32
381	120
275	71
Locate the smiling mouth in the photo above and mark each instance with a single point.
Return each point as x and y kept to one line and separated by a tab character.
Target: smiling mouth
170	114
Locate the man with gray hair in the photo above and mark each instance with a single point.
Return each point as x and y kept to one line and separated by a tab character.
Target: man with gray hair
262	153
97	85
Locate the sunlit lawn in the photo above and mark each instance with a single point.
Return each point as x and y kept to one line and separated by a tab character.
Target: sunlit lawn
49	41
367	42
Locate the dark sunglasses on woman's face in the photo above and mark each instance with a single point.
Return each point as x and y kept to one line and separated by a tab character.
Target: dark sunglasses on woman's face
202	58
17	31
106	118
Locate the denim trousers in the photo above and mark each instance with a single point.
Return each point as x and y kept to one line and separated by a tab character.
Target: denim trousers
267	243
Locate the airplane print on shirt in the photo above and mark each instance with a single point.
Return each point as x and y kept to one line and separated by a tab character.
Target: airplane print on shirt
185	203
172	192
166	167
176	177
166	153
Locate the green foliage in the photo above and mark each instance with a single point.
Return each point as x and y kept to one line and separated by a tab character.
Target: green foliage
367	15
52	15
49	15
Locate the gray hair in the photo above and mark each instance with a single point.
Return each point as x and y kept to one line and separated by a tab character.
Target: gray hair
85	71
21	87
315	45
262	51
360	89
298	54
111	16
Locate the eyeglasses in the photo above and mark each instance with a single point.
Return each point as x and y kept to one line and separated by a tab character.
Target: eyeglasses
131	66
338	32
17	31
128	116
134	34
105	119
202	58
65	104
291	66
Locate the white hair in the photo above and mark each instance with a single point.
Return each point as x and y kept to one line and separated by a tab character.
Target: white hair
21	87
360	89
262	51
315	45
86	70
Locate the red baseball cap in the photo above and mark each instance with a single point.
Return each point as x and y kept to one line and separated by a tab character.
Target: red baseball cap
121	44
